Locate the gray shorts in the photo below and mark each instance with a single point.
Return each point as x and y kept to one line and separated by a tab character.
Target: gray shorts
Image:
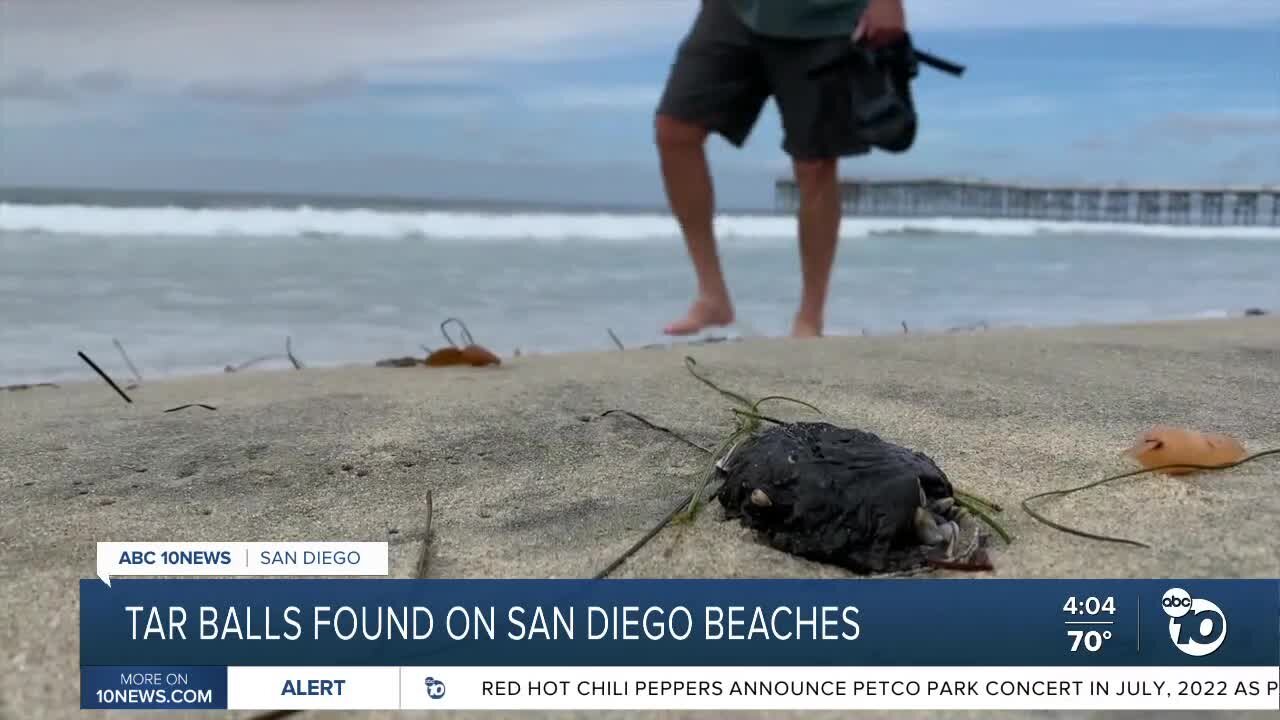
724	72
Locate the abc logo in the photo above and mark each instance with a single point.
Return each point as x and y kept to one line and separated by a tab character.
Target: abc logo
1196	626
435	688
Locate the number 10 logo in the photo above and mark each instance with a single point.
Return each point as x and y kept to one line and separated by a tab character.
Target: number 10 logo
1196	626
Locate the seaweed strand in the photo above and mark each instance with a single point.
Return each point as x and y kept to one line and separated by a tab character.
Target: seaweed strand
982	513
676	510
616	341
1026	503
757	416
651	534
424	555
104	376
466	334
249	363
708	475
288	351
755	406
132	368
655	426
690	363
978	500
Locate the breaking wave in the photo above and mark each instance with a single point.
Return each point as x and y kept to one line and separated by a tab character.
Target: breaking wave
313	223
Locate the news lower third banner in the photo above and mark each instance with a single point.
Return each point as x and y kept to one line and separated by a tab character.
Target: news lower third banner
359	643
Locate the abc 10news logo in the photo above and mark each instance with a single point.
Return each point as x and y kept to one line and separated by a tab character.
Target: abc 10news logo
1197	626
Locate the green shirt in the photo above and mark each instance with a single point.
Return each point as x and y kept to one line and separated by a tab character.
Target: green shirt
800	18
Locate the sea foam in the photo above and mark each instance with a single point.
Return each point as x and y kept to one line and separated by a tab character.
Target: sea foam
309	222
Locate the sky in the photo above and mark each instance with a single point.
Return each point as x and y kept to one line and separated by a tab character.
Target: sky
553	100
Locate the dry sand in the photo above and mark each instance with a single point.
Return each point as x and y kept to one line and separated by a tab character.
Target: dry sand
528	481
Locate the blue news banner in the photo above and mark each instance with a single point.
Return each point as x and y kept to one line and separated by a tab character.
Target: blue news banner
168	643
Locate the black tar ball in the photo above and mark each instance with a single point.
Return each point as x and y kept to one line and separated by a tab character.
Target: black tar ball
834	495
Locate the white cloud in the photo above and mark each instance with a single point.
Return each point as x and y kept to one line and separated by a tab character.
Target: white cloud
243	46
940	15
247	44
433	104
1234	123
29	113
605	97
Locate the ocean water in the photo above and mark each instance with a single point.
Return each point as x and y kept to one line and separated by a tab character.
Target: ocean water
191	287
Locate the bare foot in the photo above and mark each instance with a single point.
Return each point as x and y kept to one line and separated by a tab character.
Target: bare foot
702	314
805	329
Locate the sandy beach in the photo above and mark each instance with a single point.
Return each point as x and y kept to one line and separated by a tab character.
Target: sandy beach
529	480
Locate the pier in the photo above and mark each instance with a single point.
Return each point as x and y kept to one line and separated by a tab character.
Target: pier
1196	206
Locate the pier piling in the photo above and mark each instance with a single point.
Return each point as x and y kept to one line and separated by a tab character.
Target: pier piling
1242	206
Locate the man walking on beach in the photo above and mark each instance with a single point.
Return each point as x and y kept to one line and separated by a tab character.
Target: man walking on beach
737	55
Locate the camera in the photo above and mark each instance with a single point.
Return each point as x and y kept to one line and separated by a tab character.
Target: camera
879	82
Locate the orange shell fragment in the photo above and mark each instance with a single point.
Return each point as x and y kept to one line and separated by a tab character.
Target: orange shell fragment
1165	445
476	356
472	355
445	357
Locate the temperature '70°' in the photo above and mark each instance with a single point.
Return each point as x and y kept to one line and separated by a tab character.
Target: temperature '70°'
1090	639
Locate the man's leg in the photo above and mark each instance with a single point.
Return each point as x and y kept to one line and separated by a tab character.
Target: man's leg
819	225
818	129
691	194
717	84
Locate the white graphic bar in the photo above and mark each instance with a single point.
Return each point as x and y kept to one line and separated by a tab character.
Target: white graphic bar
753	688
122	559
849	688
313	688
